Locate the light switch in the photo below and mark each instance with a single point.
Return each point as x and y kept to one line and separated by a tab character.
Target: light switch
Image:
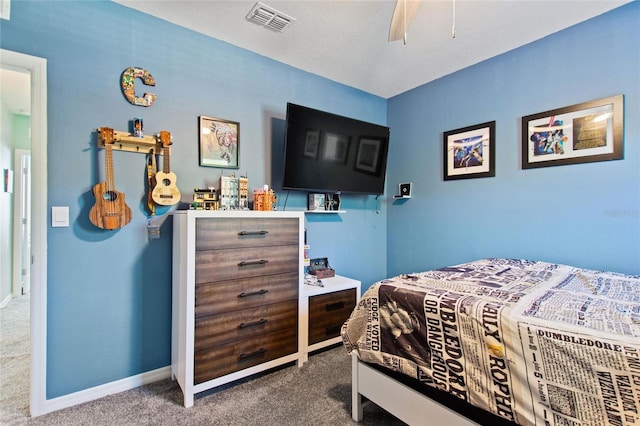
59	216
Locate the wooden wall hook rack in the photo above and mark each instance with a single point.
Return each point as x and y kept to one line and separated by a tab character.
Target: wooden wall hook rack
125	141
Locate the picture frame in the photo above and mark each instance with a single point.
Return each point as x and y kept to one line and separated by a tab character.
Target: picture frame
335	148
312	143
8	180
368	154
219	142
582	133
469	152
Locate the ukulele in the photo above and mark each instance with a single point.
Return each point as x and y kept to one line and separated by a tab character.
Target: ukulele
110	210
165	192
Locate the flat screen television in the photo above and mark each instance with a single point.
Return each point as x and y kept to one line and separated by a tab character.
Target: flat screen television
329	153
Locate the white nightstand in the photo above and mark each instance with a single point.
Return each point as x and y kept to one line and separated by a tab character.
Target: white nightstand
324	311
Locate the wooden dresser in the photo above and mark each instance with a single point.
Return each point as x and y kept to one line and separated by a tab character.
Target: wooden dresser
237	278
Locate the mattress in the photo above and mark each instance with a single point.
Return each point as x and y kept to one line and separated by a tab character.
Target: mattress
535	343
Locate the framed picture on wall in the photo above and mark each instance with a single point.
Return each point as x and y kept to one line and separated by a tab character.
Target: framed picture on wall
582	133
219	142
8	181
469	152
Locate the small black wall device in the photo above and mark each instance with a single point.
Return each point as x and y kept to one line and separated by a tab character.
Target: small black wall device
404	190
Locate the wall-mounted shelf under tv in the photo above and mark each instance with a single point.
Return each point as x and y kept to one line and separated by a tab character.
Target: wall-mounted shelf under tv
324	211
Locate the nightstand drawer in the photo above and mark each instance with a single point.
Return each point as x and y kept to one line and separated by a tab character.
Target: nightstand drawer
218	297
229	264
223	233
327	313
224	328
226	359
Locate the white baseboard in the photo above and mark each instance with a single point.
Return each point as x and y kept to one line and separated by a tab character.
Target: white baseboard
107	389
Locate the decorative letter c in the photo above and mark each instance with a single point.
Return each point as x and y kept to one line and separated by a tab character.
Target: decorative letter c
128	81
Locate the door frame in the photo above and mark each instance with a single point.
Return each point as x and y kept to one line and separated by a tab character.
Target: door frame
37	67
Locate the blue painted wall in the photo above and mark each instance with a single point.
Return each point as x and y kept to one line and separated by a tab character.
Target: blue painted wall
587	214
109	292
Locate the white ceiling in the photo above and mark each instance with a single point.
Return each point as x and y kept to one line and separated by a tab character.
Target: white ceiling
346	40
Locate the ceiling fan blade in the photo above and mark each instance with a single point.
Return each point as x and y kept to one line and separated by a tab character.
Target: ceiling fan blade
400	22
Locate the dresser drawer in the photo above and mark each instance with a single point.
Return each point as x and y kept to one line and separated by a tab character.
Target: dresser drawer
229	264
216	362
248	323
224	296
222	233
327	313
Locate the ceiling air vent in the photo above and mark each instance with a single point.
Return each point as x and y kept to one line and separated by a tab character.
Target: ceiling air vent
269	17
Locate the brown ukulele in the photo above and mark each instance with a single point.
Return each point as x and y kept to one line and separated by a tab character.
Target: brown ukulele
166	193
110	210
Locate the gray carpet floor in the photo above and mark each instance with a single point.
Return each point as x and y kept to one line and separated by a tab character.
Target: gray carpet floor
317	394
15	360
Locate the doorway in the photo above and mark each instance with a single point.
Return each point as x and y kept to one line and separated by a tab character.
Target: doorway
37	204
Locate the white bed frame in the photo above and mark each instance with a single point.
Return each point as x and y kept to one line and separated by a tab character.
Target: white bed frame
405	403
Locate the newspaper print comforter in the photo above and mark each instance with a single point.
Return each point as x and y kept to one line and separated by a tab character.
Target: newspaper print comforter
533	342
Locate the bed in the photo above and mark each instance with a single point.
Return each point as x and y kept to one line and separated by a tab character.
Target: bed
502	341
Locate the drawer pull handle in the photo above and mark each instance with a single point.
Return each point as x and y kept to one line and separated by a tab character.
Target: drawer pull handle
333	330
251	324
253	293
253	262
259	352
245	233
334	306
